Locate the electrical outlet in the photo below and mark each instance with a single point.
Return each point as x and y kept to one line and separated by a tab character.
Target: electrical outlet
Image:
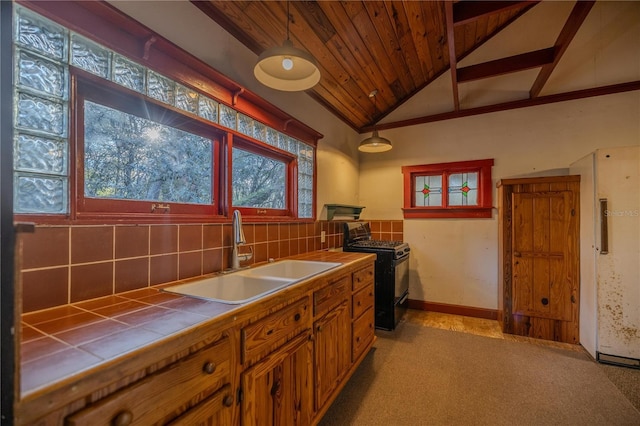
323	236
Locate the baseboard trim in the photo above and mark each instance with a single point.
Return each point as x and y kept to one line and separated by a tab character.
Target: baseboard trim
467	311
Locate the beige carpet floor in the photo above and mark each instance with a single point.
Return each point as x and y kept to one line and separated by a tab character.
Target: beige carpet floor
420	375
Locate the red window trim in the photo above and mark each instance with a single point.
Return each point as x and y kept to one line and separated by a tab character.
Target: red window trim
485	190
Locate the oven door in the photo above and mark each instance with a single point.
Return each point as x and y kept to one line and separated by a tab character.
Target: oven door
401	291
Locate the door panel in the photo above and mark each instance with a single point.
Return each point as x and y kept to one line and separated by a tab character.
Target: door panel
542	286
539	257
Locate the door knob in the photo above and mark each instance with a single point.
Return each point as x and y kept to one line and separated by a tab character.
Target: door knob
545	301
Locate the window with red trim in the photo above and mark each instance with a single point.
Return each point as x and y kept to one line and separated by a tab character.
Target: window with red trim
448	190
140	157
262	179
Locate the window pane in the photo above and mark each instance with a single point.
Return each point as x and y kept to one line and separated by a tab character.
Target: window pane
258	181
132	158
463	189
90	57
40	194
128	74
41	35
41	114
428	191
42	75
40	154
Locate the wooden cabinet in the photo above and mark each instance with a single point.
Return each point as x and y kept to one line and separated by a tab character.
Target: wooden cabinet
278	389
363	328
265	335
332	351
164	395
332	347
277	361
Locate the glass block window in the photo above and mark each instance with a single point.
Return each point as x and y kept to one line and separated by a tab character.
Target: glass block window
462	190
43	54
90	57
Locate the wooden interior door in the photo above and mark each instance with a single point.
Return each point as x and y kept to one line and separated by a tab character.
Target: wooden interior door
539	253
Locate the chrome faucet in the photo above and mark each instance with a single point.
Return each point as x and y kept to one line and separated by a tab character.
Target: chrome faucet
238	240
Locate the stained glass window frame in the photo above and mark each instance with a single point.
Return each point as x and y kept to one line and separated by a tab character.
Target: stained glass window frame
414	175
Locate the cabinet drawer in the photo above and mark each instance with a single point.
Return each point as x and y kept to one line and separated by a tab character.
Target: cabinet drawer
363	277
217	410
331	295
155	398
363	332
362	301
265	335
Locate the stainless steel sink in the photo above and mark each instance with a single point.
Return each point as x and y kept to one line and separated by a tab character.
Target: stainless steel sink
250	284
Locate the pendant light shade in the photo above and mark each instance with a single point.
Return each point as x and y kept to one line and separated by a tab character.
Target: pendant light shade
286	67
375	143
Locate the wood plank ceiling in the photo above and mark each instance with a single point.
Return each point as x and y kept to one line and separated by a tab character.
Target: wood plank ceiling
396	47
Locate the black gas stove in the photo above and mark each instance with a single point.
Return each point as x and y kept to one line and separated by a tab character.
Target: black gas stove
392	271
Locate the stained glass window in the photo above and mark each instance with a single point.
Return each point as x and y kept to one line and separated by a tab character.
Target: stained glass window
463	189
429	190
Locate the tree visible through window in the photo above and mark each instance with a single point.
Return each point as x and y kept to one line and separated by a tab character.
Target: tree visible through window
132	158
258	181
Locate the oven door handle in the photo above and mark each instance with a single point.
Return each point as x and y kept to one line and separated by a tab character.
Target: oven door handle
404	297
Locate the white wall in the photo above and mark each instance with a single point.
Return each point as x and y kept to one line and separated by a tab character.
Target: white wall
455	260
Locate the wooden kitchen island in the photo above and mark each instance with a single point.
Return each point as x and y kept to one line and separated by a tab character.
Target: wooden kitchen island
151	357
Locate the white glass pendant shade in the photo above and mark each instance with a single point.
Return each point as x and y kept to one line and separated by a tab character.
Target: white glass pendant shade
287	68
375	143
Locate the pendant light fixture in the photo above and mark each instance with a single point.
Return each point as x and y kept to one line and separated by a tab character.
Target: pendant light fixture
286	67
375	143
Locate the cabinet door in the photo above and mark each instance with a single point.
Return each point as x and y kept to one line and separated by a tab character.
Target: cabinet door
278	390
332	351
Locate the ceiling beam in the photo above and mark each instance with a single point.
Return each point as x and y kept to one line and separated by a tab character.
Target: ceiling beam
469	11
523	103
571	27
453	63
502	66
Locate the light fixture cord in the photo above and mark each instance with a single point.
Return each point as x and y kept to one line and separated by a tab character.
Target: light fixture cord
288	19
375	106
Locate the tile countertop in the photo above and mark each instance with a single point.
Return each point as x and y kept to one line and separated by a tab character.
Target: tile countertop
60	343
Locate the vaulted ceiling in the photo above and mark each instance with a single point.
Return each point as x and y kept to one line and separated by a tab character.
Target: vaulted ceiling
398	48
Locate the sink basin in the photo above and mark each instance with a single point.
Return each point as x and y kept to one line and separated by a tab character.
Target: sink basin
250	284
294	269
232	289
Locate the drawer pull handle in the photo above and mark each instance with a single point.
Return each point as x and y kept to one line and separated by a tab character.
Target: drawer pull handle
296	317
227	401
209	367
124	418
